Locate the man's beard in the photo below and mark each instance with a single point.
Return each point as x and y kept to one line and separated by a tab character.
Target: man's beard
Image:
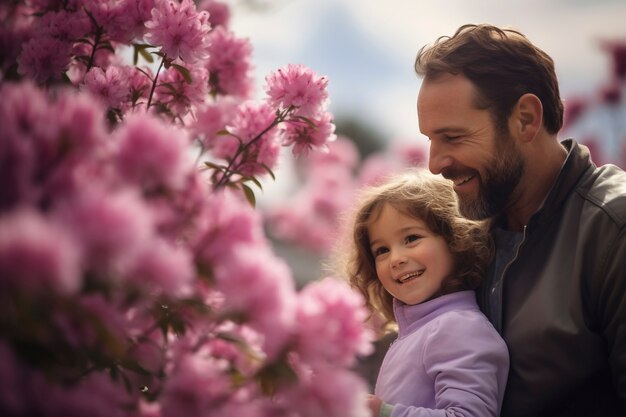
497	184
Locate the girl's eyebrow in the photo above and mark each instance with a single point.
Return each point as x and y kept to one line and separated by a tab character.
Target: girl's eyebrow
404	230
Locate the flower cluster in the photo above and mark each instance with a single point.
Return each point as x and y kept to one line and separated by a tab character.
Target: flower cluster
328	192
130	286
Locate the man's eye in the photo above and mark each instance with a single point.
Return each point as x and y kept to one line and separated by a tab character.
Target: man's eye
452	138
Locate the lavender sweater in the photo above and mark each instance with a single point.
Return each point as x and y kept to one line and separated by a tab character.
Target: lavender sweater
448	360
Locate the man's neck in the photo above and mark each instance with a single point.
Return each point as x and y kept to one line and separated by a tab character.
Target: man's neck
542	170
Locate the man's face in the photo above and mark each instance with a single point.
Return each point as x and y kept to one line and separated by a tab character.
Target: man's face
465	147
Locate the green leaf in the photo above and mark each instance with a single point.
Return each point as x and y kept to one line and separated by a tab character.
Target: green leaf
146	55
275	375
222	132
254	180
306	120
269	170
249	195
215	166
107	46
184	72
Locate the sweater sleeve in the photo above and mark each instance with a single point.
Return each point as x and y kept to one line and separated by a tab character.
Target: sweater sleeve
468	363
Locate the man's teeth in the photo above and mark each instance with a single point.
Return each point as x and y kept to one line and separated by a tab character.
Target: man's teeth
410	275
462	181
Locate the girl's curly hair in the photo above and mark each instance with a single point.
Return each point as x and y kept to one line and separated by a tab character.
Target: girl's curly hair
431	199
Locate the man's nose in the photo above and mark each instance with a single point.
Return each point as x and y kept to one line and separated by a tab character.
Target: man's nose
438	159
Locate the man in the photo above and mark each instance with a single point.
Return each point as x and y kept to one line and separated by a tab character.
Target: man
556	289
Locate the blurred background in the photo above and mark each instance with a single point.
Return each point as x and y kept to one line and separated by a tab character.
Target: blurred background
367	49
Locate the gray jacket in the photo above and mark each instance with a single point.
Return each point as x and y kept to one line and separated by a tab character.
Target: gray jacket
557	294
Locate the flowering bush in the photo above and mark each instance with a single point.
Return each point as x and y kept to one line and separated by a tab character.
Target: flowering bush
328	192
132	282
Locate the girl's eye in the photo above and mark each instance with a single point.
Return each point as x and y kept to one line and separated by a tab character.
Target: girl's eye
411	238
380	251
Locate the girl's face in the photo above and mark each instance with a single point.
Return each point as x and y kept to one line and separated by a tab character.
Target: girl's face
411	261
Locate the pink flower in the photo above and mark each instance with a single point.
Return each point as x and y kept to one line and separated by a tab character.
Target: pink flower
211	119
179	30
44	59
376	169
249	122
64	26
96	395
219	13
259	286
196	385
162	268
412	153
305	137
110	85
110	226
297	86
329	393
122	20
37	255
25	133
342	152
228	221
152	154
229	64
331	317
177	95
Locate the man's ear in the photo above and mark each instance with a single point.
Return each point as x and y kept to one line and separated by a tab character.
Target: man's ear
528	116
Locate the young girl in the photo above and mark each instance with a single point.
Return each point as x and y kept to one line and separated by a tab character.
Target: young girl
417	262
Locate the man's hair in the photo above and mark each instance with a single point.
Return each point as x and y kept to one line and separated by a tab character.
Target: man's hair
432	199
503	65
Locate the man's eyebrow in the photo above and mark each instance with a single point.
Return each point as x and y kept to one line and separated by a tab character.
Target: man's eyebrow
448	129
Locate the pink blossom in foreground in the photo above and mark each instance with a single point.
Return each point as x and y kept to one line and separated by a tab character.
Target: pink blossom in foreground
297	86
330	317
25	122
330	393
178	96
197	384
44	59
305	137
227	221
111	227
259	286
162	267
64	26
110	85
122	20
180	30
152	154
250	120
229	64
219	12
38	252
96	395
212	118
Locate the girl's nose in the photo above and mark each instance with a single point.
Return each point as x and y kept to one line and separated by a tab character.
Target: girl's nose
398	260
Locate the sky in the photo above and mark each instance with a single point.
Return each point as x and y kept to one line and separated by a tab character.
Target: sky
367	47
